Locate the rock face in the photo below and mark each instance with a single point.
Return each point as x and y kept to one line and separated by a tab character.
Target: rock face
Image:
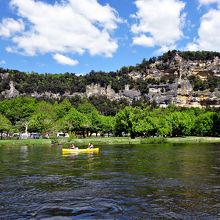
96	89
127	93
91	90
167	83
180	92
12	92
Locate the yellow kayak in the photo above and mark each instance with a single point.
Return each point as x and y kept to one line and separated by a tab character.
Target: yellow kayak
65	150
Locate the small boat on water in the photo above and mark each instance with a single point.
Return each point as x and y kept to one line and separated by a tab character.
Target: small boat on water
86	150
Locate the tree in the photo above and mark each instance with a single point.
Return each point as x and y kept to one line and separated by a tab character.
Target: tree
182	123
164	127
124	122
43	119
18	108
152	123
62	108
74	121
22	125
5	124
144	126
95	121
107	124
204	124
86	107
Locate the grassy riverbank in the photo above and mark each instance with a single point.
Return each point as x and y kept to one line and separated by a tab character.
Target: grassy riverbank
113	140
127	140
25	142
185	140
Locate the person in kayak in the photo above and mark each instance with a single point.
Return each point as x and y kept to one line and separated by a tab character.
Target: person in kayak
90	146
74	147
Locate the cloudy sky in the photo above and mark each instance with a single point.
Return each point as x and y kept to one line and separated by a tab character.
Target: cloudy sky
57	36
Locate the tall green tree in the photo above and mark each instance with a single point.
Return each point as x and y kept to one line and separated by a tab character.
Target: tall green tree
204	124
43	119
95	122
86	107
107	124
144	126
18	108
164	127
182	123
124	122
74	121
62	108
5	125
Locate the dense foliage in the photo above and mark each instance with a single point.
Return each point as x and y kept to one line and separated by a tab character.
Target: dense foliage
189	55
27	83
98	114
211	83
84	119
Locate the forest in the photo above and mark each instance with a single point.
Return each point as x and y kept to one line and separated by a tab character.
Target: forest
84	119
98	114
27	83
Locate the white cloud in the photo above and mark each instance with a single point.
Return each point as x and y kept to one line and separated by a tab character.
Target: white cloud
192	46
70	26
9	26
94	12
143	40
207	2
164	49
208	33
64	60
159	22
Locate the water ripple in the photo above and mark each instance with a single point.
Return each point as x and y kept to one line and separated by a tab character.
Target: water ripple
138	182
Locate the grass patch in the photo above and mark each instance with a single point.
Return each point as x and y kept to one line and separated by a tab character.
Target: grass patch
25	142
112	140
106	141
158	140
116	140
186	140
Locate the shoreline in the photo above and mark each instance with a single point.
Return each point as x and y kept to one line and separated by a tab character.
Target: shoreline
158	140
113	140
25	142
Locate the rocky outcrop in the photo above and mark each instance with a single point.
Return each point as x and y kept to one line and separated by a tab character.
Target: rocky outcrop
127	93
165	83
12	92
91	90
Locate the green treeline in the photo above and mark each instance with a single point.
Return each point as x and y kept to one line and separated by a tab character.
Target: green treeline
84	119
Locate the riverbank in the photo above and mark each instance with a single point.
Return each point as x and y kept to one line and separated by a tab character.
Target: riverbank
25	142
112	140
118	140
186	140
158	140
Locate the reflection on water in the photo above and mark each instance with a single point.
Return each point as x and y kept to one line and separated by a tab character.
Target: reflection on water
142	181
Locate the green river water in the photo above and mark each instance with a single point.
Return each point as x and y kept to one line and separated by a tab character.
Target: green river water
121	182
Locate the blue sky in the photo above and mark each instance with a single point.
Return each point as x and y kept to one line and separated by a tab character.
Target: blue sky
49	36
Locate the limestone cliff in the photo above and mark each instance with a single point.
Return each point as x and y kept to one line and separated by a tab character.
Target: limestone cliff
176	80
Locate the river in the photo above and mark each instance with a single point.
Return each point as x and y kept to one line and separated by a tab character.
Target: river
121	182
